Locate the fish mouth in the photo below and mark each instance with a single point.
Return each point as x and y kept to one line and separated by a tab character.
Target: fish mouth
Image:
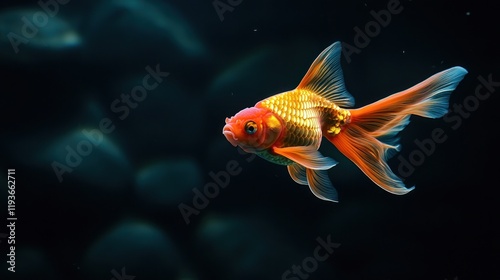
227	131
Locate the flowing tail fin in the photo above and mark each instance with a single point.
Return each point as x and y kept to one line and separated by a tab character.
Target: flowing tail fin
369	140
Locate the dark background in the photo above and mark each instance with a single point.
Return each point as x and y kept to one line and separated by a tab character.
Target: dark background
118	208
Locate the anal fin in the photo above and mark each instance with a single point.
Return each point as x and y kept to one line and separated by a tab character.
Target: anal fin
298	173
318	181
321	186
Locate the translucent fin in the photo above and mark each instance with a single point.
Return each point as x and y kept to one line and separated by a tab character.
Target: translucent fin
298	173
437	90
320	185
307	156
370	155
427	99
325	77
370	138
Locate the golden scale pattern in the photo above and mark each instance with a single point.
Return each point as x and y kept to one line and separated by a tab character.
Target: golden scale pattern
306	114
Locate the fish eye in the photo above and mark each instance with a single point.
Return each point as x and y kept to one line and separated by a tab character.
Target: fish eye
250	127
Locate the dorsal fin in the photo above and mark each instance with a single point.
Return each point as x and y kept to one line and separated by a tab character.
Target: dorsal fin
325	77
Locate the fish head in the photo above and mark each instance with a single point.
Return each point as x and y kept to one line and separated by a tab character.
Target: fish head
253	129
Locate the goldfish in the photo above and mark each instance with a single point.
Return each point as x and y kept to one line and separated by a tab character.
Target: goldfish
287	128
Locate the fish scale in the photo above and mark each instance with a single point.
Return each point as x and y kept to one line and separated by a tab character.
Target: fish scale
306	115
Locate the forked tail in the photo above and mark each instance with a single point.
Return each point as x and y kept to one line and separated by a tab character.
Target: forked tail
369	140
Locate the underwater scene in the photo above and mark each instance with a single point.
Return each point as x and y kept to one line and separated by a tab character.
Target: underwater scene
237	139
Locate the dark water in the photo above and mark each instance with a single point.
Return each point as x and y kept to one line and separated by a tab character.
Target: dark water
112	114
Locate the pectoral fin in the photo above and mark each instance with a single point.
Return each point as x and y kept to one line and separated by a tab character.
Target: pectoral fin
306	156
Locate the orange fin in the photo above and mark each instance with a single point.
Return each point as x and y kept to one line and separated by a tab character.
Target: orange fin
370	155
370	138
429	99
325	77
306	156
320	185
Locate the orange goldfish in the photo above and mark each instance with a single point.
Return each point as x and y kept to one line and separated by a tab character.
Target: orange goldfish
287	128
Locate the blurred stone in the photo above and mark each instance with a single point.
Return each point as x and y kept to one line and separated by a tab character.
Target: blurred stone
91	156
168	182
240	248
264	71
133	249
34	34
133	29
